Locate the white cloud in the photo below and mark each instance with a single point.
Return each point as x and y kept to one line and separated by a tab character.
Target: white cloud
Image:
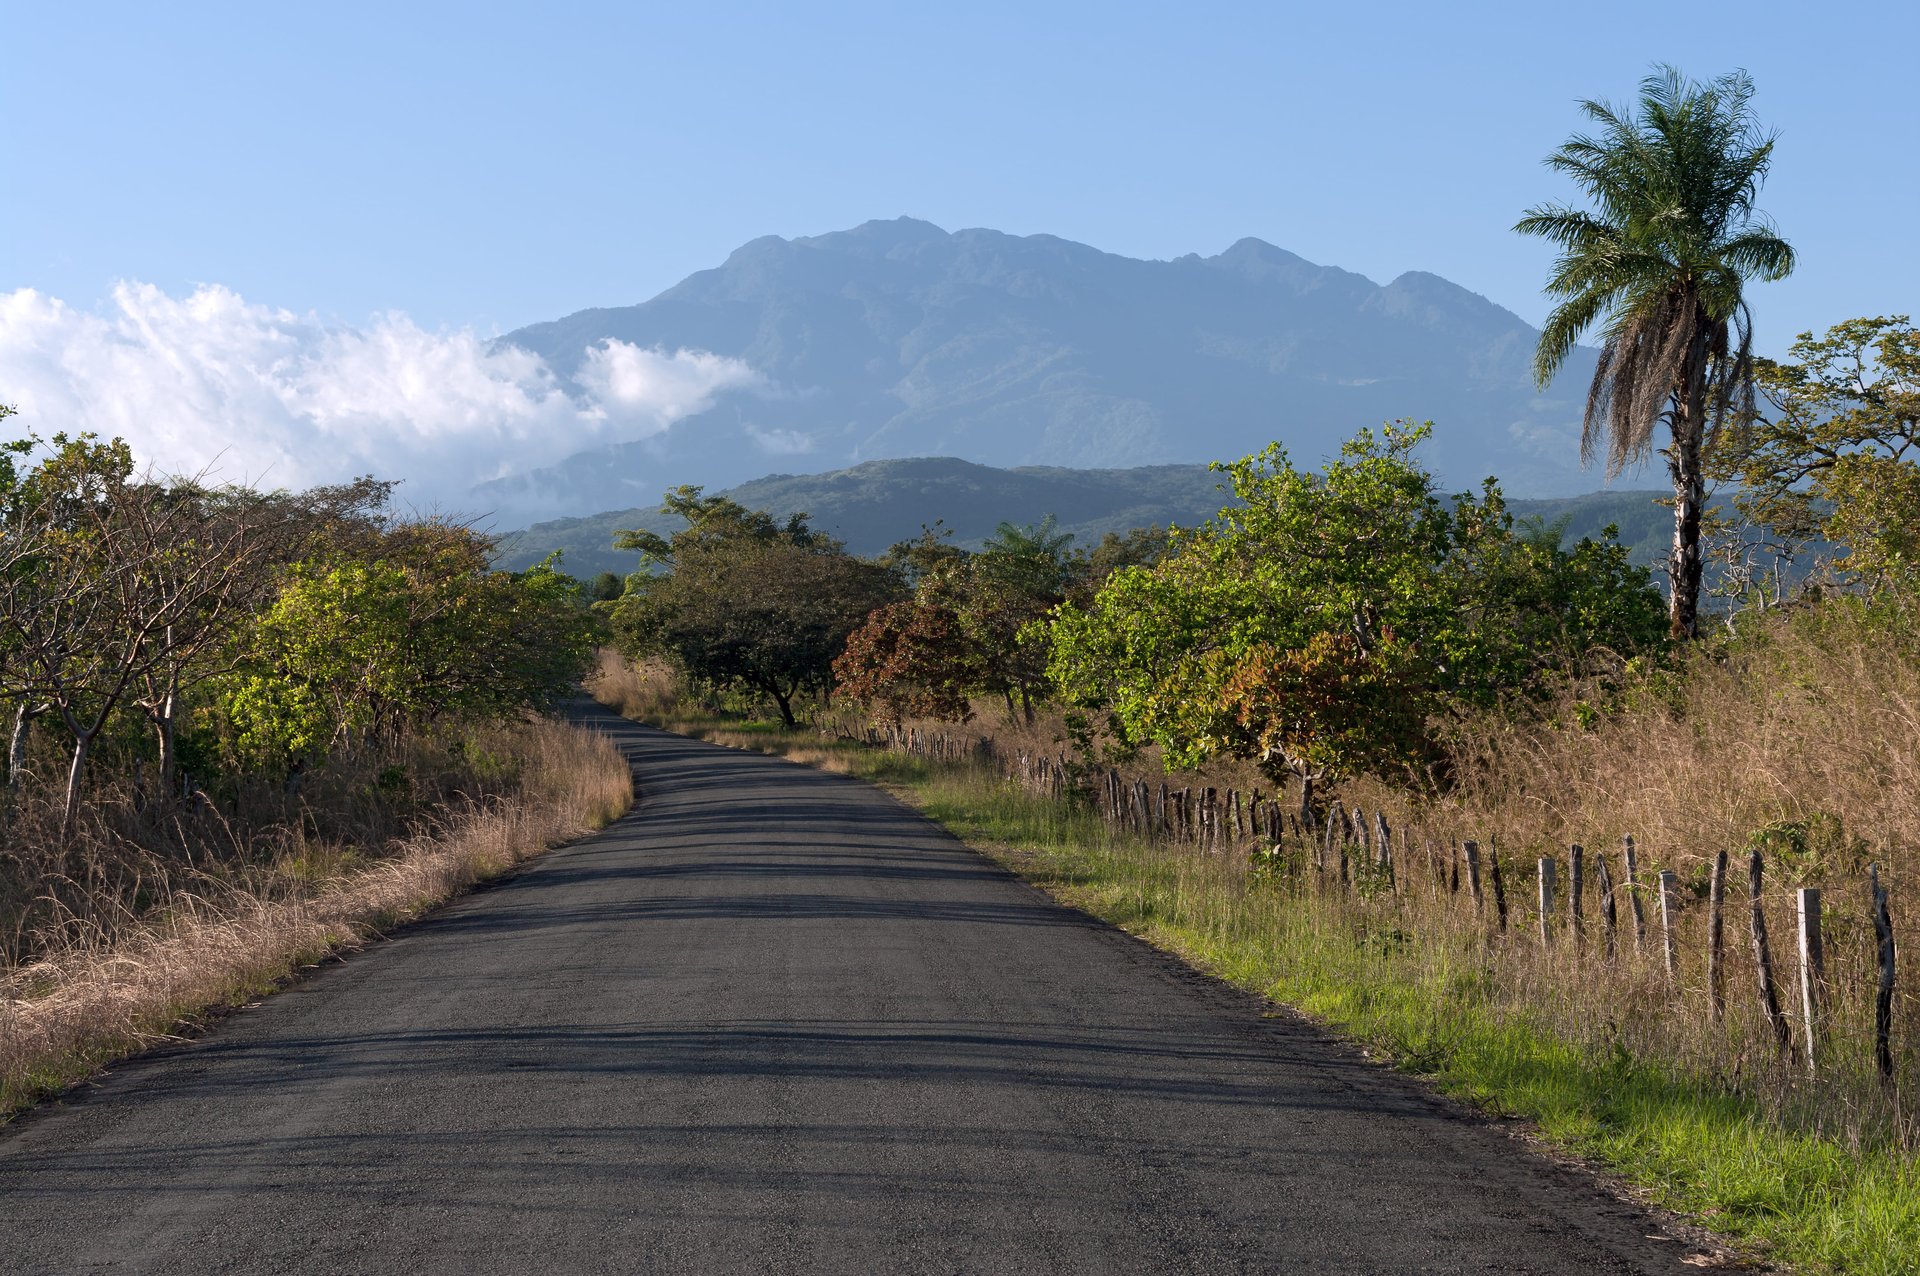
268	396
782	442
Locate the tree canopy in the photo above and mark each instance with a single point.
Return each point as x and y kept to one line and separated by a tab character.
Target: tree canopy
741	600
1320	626
1834	450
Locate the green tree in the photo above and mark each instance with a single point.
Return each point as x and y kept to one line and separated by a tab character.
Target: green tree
1320	626
1660	264
928	554
742	600
357	652
115	588
1835	451
1139	547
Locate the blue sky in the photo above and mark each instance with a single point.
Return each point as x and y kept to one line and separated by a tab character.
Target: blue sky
479	167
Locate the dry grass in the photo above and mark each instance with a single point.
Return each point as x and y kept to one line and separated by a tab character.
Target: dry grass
1801	741
646	692
107	993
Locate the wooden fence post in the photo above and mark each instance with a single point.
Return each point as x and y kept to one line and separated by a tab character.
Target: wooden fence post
1499	886
1883	988
1576	890
1763	959
1472	852
1609	918
1633	897
1813	971
1345	835
1386	849
1546	901
1669	905
1716	936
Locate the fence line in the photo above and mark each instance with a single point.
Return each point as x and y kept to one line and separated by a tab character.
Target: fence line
1350	850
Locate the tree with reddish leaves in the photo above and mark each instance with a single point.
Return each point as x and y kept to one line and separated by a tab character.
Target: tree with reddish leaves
911	659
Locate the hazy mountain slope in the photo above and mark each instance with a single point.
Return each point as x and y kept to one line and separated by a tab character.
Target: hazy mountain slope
875	504
900	339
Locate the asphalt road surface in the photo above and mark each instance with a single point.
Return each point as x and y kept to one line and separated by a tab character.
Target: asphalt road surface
774	1021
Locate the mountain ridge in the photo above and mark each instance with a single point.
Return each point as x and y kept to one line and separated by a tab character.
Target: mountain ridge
899	338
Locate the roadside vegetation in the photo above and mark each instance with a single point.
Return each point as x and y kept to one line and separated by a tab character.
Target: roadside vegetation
247	729
1354	648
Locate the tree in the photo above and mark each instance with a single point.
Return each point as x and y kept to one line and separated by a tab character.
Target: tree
910	659
358	651
1660	263
1319	627
1140	547
963	629
111	584
742	600
1835	452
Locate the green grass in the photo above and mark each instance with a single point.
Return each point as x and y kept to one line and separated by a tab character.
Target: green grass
1432	1005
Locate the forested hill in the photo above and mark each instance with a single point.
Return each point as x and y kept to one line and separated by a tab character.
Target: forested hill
900	339
873	505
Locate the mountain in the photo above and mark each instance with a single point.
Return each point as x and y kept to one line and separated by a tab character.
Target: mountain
875	504
898	338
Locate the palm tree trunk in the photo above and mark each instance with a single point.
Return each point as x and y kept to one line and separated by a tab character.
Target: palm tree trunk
1683	564
1689	494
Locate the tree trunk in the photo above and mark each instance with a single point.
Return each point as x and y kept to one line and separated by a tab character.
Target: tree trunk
1684	464
163	731
17	746
786	707
81	745
1683	564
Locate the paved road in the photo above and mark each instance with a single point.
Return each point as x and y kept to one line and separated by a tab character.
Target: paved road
773	1021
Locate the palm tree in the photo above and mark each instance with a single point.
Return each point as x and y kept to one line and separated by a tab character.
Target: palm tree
1034	556
1660	263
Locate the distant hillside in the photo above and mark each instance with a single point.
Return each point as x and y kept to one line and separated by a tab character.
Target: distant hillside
900	339
1644	524
874	505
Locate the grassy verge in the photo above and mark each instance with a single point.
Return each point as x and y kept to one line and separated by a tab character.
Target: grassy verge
74	1010
1435	1000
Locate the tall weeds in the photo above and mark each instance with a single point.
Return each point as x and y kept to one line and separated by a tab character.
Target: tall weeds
141	939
